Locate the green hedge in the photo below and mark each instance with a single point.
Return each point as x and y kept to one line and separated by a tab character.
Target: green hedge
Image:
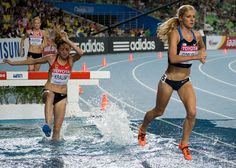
21	94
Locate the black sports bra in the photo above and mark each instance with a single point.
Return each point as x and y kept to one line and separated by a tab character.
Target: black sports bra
185	48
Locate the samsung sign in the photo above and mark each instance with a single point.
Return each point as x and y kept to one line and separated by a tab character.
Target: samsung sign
10	49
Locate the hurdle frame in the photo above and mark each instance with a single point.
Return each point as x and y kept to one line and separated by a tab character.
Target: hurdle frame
24	78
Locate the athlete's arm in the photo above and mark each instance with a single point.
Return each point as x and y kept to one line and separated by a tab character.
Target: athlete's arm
200	41
202	48
78	51
173	40
44	42
22	42
29	61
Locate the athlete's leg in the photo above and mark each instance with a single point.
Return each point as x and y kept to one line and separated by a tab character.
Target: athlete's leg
30	67
188	97
59	115
164	93
36	67
48	98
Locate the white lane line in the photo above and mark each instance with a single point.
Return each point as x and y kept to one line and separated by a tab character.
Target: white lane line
85	102
197	88
170	123
222	115
230	66
120	61
154	90
216	79
215	94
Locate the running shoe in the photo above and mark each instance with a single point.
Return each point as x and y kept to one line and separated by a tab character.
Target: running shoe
47	130
185	151
141	137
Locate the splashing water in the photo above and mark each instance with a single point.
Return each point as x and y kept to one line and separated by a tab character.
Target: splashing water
114	125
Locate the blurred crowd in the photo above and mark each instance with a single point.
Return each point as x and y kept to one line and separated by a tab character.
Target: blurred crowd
214	17
219	18
16	17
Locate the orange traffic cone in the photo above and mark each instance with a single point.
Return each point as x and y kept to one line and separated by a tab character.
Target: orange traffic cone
225	51
104	62
160	55
104	102
81	90
131	57
84	67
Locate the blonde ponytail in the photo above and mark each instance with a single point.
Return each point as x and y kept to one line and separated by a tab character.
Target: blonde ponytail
165	28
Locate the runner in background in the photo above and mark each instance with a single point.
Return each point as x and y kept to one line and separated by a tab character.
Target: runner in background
49	45
36	39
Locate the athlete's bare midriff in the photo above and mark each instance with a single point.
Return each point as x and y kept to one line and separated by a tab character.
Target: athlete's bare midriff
177	73
37	49
56	88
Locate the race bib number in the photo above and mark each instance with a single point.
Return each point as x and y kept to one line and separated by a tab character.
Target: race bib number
35	41
60	79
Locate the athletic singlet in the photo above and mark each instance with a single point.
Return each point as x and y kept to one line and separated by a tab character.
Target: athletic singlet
36	38
185	48
60	73
49	49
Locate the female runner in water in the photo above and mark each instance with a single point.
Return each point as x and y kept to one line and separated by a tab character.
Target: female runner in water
55	89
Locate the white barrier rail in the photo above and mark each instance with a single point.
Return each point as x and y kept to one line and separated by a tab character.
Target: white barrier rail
36	111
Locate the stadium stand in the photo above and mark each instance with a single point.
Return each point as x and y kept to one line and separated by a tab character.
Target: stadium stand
15	17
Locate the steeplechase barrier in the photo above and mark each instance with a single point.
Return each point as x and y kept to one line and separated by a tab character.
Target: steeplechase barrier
36	111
